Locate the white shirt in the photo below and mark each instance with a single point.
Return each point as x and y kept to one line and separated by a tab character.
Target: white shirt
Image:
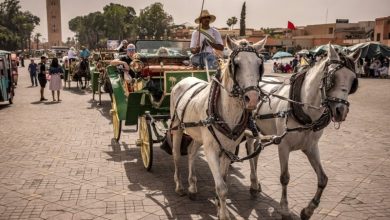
72	54
211	31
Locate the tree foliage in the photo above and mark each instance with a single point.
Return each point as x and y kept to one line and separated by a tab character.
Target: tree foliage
153	21
242	20
231	22
119	22
16	26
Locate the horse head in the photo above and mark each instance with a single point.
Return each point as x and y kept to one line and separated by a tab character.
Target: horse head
245	67
340	80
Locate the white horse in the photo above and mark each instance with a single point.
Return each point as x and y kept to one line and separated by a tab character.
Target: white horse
324	90
215	115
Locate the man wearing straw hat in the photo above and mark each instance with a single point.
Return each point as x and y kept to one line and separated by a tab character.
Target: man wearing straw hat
204	41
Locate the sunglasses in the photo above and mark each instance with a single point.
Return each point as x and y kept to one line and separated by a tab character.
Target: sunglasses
130	49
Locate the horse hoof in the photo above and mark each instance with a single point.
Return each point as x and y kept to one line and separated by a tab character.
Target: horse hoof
304	216
180	192
192	196
286	217
254	192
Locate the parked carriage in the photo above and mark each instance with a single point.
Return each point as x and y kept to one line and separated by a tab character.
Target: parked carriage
6	80
99	77
144	102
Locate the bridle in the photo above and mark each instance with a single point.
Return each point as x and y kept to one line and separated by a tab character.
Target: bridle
328	82
237	91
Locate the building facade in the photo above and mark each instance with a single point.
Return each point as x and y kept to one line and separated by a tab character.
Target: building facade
382	30
53	9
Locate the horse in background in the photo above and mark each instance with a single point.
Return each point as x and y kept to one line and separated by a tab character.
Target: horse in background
216	117
317	97
82	71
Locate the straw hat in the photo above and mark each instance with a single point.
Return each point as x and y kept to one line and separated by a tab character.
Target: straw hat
203	14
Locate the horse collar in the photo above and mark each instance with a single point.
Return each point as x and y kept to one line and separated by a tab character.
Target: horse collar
218	122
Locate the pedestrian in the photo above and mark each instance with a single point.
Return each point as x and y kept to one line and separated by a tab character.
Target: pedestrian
21	58
32	69
42	76
55	72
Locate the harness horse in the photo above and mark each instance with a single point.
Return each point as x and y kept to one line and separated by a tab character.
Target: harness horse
299	112
215	115
82	71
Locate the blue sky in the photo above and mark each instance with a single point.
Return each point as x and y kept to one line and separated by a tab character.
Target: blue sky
260	13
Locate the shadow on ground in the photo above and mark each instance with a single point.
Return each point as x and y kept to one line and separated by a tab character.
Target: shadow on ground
160	186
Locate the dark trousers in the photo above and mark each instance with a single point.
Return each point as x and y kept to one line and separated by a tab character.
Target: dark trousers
33	77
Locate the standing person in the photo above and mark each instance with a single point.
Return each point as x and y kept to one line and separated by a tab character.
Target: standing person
42	76
55	72
21	58
205	40
32	69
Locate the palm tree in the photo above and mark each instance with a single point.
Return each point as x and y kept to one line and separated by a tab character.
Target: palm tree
234	21
229	22
36	37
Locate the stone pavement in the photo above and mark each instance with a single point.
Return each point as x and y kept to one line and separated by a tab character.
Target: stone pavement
58	161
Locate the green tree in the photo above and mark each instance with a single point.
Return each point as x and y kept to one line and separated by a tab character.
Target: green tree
16	26
153	21
242	20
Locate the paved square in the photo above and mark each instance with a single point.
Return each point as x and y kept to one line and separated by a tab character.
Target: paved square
58	161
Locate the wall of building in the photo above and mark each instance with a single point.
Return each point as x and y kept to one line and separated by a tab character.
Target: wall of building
382	28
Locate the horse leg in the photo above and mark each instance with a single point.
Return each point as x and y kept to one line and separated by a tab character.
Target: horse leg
255	188
192	155
284	153
176	142
213	160
313	155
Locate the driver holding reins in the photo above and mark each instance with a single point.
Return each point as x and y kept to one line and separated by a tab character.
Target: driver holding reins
204	40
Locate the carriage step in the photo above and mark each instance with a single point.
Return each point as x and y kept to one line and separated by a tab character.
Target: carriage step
138	142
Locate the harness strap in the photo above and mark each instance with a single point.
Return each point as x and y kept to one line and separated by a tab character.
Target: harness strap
281	114
178	101
187	124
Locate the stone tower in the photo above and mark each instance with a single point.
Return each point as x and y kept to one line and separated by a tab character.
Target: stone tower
53	8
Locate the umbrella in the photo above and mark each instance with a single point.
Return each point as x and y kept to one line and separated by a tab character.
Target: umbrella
281	54
324	48
371	49
303	52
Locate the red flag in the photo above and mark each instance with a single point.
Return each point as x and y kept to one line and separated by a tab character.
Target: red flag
290	25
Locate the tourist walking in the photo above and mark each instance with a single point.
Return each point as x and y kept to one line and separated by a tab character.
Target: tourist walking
42	76
32	69
55	72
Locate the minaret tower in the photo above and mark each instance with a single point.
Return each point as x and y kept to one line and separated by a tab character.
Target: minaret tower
53	8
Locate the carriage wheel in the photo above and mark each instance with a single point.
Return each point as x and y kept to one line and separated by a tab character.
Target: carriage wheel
116	122
146	143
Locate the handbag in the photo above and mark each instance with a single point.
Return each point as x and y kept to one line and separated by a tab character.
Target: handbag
48	77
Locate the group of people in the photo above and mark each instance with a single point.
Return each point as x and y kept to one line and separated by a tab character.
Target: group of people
375	68
42	73
54	73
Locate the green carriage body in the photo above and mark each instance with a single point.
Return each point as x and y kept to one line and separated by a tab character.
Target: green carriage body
135	104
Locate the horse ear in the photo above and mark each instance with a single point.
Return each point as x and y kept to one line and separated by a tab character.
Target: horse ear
355	55
332	53
260	44
231	44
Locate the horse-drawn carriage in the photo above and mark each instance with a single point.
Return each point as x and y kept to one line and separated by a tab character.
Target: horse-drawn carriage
76	70
99	78
144	101
6	79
